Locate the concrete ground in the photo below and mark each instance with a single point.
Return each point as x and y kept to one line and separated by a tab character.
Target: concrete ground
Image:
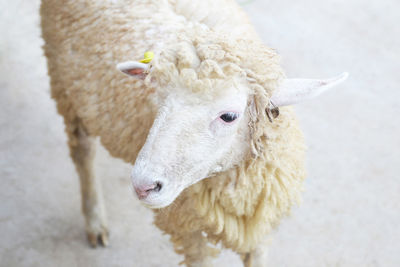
350	215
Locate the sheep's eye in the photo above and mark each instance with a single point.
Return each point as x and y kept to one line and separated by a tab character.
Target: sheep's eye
229	116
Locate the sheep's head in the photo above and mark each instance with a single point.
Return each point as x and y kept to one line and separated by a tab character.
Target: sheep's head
212	105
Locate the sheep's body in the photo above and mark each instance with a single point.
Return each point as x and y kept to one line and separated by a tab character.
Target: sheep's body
86	39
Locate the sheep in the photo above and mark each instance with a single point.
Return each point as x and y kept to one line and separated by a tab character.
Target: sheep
206	121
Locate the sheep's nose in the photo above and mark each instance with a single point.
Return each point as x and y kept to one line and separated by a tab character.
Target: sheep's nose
143	191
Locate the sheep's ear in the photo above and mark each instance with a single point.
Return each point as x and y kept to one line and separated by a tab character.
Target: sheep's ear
134	69
293	91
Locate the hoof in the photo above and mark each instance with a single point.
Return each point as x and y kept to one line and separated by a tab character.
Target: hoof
98	238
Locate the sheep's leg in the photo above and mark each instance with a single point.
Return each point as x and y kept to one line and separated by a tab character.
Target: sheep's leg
82	152
196	251
254	259
257	257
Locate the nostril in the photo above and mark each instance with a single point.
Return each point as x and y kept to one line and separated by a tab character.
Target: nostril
144	190
158	186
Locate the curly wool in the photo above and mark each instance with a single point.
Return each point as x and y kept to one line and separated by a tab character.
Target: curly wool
86	39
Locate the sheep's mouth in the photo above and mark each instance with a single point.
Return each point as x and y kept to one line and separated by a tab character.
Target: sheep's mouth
156	204
155	207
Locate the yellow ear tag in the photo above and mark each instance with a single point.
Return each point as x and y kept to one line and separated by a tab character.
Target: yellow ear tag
148	56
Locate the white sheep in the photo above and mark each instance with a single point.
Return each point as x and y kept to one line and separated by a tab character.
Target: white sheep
206	106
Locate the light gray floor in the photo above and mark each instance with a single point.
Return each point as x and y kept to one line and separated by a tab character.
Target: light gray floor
350	214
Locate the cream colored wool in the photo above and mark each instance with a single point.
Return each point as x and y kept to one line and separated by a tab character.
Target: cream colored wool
200	46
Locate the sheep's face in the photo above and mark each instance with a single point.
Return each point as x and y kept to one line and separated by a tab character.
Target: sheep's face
196	134
192	137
